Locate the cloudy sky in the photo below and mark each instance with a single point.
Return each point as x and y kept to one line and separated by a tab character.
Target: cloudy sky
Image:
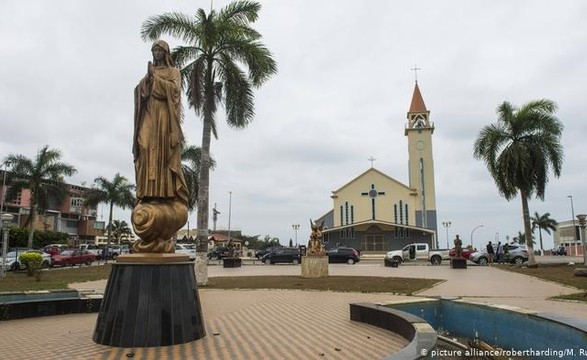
341	96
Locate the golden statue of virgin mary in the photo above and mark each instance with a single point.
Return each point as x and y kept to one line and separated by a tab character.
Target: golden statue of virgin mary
161	187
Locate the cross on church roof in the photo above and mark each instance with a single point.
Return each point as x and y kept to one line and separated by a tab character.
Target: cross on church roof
415	70
371	159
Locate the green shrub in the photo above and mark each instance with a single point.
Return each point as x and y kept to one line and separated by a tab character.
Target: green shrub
33	262
18	237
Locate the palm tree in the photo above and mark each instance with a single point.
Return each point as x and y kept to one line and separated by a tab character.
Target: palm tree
117	192
543	222
221	63
520	238
43	177
119	229
191	159
520	150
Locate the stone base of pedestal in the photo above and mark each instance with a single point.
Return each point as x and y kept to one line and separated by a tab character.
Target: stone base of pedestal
150	300
458	263
581	272
231	262
314	266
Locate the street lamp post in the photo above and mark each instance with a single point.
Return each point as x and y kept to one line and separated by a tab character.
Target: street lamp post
472	231
6	219
582	222
5	165
574	226
295	228
446	225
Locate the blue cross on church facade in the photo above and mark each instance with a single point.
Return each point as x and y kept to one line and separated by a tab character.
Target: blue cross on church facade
373	193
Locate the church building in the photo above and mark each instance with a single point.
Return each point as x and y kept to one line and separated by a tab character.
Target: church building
375	213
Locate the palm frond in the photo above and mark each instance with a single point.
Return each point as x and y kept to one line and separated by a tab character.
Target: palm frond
174	23
240	12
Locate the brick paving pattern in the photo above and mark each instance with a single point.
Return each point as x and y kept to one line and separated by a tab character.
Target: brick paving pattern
282	324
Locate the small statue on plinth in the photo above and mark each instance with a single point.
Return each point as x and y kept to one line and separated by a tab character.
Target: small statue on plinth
232	259
458	247
315	245
231	249
162	193
458	261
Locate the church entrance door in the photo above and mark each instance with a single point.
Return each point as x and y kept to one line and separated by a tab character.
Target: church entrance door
373	242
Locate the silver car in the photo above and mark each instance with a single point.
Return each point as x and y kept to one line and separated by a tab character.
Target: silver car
13	262
188	249
517	254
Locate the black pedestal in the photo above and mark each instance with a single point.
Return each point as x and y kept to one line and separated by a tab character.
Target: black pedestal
231	262
458	263
150	304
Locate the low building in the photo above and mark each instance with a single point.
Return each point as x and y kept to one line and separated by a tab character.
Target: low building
68	215
567	235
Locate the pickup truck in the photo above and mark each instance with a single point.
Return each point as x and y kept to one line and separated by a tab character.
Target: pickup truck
418	251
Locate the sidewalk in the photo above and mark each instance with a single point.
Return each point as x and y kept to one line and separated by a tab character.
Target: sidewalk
284	324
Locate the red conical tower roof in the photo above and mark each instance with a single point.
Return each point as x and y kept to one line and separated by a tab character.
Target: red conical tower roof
417	101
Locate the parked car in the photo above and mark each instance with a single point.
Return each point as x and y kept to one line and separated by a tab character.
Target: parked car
518	254
92	248
218	253
466	252
260	253
72	257
188	249
115	250
418	251
13	262
283	255
343	255
54	249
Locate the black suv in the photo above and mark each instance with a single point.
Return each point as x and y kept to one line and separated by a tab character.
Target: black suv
282	255
260	253
343	255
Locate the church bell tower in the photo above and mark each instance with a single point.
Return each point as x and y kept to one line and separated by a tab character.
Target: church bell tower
419	131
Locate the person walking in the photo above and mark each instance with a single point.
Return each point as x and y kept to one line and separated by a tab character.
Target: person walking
490	252
499	253
506	253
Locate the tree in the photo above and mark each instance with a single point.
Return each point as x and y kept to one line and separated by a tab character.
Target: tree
221	63
519	238
520	151
523	240
191	160
119	229
117	192
43	177
543	222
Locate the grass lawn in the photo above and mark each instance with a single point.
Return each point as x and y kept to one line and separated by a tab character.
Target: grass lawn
52	279
60	278
558	273
366	284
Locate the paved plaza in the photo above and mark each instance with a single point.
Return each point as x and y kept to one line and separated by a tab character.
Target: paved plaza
285	324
